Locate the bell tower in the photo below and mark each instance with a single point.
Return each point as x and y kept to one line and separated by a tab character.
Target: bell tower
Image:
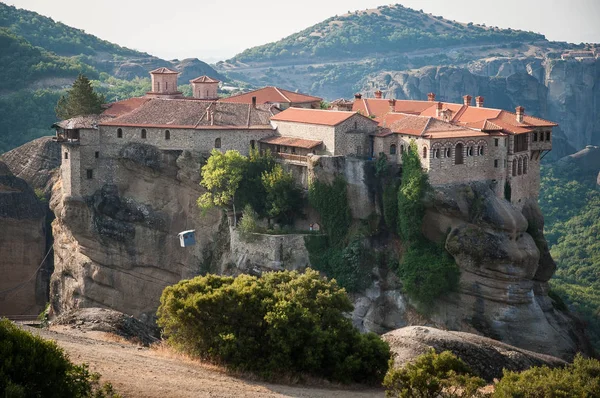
205	88
164	83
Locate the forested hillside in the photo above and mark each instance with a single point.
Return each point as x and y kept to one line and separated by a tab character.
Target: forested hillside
570	201
386	29
42	58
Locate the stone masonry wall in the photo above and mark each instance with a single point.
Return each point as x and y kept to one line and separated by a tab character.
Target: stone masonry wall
309	132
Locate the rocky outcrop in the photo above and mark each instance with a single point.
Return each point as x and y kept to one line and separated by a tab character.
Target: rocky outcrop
36	162
119	248
22	247
587	160
486	357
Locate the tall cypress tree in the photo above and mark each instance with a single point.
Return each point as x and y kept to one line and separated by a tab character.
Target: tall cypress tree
81	99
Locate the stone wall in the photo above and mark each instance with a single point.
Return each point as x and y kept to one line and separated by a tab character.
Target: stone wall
264	252
310	132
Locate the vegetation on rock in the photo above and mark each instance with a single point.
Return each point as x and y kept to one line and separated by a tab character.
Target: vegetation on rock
284	197
283	322
81	99
331	201
432	375
33	367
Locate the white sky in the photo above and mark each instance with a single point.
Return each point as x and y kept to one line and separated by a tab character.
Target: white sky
213	30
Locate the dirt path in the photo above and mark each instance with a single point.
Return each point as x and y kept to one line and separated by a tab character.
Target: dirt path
155	373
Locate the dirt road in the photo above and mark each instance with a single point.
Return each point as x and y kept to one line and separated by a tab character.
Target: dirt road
157	373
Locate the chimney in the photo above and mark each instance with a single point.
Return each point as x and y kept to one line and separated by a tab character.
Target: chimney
254	102
467	100
378	94
357	96
479	101
431	97
438	111
520	113
392	105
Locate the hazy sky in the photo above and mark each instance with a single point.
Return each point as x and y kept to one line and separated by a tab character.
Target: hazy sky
218	29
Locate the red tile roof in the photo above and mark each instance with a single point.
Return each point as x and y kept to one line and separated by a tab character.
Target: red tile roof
163	70
291	141
272	95
204	79
315	116
119	108
429	127
380	107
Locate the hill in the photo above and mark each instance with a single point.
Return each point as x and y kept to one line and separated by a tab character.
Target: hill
386	29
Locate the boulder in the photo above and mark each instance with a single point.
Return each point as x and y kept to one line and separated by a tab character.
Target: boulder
486	357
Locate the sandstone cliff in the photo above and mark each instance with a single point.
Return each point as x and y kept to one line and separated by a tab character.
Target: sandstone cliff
22	247
118	248
562	91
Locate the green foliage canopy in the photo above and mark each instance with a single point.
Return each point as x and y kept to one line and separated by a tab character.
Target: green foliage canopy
284	198
331	201
283	322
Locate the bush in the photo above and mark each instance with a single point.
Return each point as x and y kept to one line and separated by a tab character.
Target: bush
32	367
579	379
331	201
249	223
432	375
283	322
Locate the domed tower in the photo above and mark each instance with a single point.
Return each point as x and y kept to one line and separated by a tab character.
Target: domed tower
164	83
205	88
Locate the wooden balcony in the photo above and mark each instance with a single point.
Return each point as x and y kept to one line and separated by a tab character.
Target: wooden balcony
291	157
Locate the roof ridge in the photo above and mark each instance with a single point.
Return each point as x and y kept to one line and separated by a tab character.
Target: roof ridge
366	106
249	113
283	95
460	112
426	125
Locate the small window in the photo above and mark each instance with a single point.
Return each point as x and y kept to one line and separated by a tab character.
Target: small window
392	149
293	149
480	151
144	134
355	125
436	153
470	151
447	153
496	141
218	143
166	86
424	152
66	155
252	144
97	154
458	154
547	136
167	135
496	163
119	133
535	137
504	163
157	86
401	148
89	173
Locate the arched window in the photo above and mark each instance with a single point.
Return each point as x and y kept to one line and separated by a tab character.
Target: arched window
119	133
401	148
393	149
520	169
66	155
424	152
206	93
447	152
218	143
144	133
166	86
514	167
252	144
525	160
458	154
480	150
469	151
436	153
167	135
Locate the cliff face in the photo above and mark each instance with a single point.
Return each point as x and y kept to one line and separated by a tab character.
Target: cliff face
22	247
119	248
566	92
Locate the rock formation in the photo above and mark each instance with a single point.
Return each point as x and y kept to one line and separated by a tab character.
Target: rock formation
22	247
119	248
486	357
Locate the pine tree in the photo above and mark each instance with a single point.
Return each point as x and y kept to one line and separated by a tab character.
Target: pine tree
81	99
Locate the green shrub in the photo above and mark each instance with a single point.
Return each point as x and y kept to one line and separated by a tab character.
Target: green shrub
33	367
427	272
579	379
284	197
249	223
390	206
283	322
432	375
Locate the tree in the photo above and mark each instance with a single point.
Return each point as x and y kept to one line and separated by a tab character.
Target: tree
221	176
410	195
284	198
252	190
81	99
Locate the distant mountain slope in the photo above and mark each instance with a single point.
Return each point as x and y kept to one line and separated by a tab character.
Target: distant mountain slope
391	28
57	37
